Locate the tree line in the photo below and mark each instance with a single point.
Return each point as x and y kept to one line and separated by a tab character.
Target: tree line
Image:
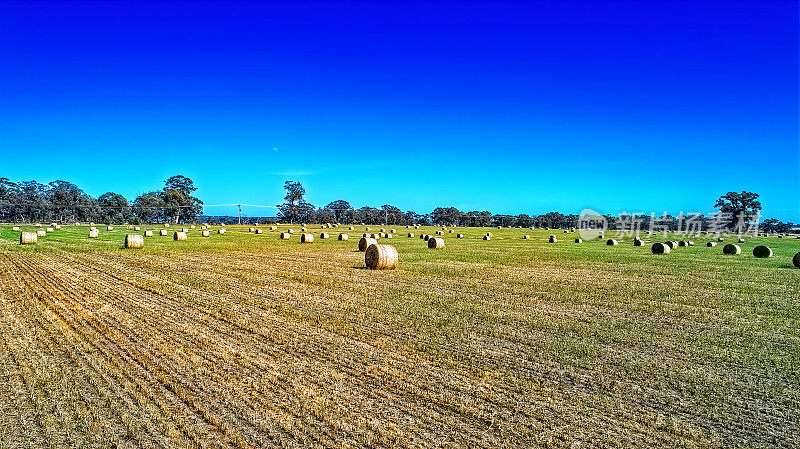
64	202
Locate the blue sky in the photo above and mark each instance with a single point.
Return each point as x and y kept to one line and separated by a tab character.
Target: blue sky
512	107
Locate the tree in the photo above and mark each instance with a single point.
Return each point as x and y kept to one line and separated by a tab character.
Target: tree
178	199
114	208
150	207
295	206
445	216
340	210
738	207
180	183
392	215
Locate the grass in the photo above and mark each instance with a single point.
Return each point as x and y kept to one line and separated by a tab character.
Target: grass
246	340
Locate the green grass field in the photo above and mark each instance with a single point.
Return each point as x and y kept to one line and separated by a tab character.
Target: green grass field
245	340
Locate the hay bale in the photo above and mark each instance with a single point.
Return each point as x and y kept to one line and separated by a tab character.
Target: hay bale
93	234
660	248
303	229
41	233
166	225
553	239
192	226
683	243
383	230
205	233
259	231
638	242
184	230
179	236
487	237
731	249
137	228
565	231
410	234
426	237
381	257
390	235
15	228
392	231
306	238
134	241
285	236
128	227
148	233
351	228
720	239
38	225
612	242
343	236
375	236
364	243
57	227
796	260
690	243
436	243
222	231
451	231
273	228
526	237
672	244
741	241
290	231
28	238
163	232
578	240
251	230
49	230
366	229
459	236
762	251
489	234
711	244
92	228
324	235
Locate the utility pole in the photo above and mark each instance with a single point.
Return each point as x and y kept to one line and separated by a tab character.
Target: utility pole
240	213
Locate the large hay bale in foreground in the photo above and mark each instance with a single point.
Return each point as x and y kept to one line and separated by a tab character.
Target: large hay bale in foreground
711	244
660	248
134	241
28	238
364	243
148	233
179	236
436	243
612	242
796	260
343	236
381	257
94	233
762	251
306	238
731	249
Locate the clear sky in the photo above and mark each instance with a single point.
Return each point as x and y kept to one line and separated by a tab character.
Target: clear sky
512	107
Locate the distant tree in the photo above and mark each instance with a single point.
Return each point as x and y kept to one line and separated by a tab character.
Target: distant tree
180	183
392	215
178	199
523	220
149	207
445	216
739	207
340	210
114	208
295	206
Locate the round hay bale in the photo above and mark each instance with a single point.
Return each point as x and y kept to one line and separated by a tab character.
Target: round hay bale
390	235
49	230
93	234
392	231
427	237
672	244
179	236
720	239
290	231
148	233
526	237
251	229
38	225
780	236
306	238
638	242
711	244
487	237
375	236
489	234
259	231
660	248
364	243
683	243
134	241
41	233
285	236
205	233
28	238
366	229
731	249
416	226
15	228
184	230
410	234
436	243
351	228
57	227
303	229
343	236
553	239
381	257
459	236
451	231
109	228
741	241
796	260
273	228
762	251
612	242
137	228
166	225
222	231
578	240
163	232
324	236
565	231
690	243
383	230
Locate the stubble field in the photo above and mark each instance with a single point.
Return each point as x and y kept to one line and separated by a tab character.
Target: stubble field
243	340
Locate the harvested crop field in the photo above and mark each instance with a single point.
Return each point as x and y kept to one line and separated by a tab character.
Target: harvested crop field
245	340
